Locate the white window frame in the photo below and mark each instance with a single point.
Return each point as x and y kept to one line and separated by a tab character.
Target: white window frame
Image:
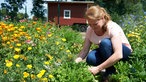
69	11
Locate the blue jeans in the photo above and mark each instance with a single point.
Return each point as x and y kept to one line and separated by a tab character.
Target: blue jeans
105	50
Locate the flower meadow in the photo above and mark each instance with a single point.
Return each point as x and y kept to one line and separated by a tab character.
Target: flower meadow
33	51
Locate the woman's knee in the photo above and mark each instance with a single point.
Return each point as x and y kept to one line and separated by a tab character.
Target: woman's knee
91	58
126	53
105	42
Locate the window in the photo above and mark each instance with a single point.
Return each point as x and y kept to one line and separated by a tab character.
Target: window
67	14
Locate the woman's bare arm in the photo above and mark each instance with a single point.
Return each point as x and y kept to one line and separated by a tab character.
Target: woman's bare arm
86	48
84	51
116	56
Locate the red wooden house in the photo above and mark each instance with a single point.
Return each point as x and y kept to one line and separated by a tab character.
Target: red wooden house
67	12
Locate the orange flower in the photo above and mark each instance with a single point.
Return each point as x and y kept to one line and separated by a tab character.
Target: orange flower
5	71
38	29
1	30
34	22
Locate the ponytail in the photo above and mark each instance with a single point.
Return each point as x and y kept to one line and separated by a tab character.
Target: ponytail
106	15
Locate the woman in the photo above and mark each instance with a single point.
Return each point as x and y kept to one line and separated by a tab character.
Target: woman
108	35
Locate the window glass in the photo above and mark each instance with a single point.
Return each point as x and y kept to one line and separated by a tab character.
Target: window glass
67	14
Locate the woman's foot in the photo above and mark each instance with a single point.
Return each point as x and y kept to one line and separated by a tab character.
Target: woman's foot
103	77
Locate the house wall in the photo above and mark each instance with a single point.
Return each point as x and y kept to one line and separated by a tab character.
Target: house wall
77	13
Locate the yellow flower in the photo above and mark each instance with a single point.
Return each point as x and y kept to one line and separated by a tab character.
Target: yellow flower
11	25
42	38
15	27
12	29
69	56
17	65
62	47
15	35
16	32
29	66
22	27
17	49
49	56
21	33
16	56
4	38
29	48
51	76
9	29
20	30
39	75
46	62
63	39
68	51
9	63
11	46
49	35
36	35
42	71
8	42
18	44
32	76
44	79
28	37
57	43
23	57
25	74
129	35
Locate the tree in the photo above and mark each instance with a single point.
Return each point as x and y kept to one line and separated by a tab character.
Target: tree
38	9
121	7
3	12
21	16
12	7
144	4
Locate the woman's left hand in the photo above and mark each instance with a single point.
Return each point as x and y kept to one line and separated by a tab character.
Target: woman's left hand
94	70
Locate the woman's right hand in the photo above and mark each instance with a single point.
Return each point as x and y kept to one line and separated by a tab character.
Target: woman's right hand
79	59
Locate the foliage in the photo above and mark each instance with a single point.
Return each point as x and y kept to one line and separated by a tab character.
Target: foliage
72	72
121	6
144	6
12	7
38	9
74	45
118	8
21	16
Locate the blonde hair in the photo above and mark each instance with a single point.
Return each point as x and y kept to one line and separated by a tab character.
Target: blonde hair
97	12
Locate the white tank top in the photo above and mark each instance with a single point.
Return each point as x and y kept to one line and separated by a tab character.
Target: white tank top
112	29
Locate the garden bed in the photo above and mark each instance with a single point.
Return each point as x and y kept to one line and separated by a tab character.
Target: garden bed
34	51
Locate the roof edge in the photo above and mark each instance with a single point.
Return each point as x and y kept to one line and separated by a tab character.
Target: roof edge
90	2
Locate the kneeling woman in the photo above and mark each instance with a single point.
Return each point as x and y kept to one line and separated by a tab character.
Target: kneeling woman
109	36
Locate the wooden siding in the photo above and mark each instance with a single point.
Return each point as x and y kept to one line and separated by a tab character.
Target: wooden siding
77	13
